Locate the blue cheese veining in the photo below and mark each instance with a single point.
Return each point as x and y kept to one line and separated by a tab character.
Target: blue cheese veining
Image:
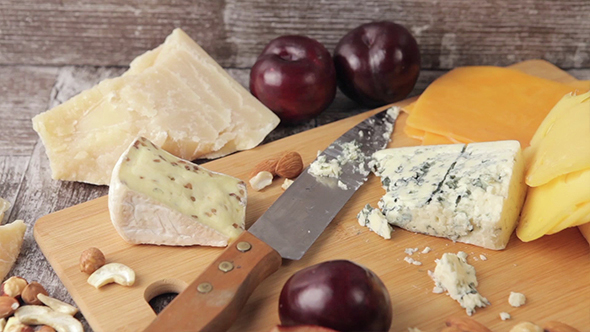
374	220
157	198
467	193
456	277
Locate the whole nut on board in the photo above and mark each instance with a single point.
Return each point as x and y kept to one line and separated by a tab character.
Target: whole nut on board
268	165
465	324
290	165
526	327
14	325
29	294
91	260
13	286
555	326
46	328
8	306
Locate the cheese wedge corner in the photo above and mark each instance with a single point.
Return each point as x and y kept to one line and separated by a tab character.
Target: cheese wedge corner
157	198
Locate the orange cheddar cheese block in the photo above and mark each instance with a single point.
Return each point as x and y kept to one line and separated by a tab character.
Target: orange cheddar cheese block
478	104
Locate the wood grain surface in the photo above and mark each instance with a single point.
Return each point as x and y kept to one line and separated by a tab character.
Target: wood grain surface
552	272
450	33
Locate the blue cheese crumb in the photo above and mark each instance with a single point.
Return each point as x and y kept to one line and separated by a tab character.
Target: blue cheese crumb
456	277
410	260
426	250
375	220
516	299
410	251
505	316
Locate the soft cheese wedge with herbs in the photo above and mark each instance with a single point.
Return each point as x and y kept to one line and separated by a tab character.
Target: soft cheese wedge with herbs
467	193
157	198
175	95
11	241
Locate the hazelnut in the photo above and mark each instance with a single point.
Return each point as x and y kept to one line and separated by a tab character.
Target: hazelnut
91	260
14	286
290	165
29	294
8	306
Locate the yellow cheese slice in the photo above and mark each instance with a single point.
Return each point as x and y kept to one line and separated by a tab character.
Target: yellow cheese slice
477	104
579	217
562	143
434	139
550	206
11	240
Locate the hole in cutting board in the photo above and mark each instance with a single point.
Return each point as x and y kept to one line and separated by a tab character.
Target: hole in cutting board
162	292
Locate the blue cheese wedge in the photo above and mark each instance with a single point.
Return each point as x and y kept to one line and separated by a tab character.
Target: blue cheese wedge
157	198
456	277
467	193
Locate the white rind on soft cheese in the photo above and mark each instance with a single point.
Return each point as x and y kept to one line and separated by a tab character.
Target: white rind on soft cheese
456	277
469	194
157	198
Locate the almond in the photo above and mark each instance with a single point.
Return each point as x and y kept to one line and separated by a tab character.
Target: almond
8	306
554	326
29	294
290	165
267	165
465	324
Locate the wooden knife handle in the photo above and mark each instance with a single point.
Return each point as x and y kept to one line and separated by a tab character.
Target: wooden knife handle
212	302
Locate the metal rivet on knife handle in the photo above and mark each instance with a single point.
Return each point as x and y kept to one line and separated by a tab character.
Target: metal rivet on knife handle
244	246
204	288
226	266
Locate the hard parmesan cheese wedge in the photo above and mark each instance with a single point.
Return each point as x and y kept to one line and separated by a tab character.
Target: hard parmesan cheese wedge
11	240
157	198
467	193
176	95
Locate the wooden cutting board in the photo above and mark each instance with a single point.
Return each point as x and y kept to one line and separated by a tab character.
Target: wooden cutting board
553	272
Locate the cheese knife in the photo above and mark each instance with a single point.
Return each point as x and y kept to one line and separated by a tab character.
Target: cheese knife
286	230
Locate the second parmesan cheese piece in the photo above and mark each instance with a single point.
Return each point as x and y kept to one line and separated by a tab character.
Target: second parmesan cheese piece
177	96
157	198
11	241
478	104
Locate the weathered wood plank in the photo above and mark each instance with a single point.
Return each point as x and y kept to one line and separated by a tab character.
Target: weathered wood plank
24	92
450	33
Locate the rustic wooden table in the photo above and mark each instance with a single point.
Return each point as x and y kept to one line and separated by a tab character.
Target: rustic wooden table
51	50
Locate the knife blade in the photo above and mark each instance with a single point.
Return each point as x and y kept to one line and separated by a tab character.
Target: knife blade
286	230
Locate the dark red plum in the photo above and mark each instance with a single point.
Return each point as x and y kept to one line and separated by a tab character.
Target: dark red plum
338	294
377	63
294	76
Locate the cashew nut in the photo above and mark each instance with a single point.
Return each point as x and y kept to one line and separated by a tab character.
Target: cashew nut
41	315
57	305
112	272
